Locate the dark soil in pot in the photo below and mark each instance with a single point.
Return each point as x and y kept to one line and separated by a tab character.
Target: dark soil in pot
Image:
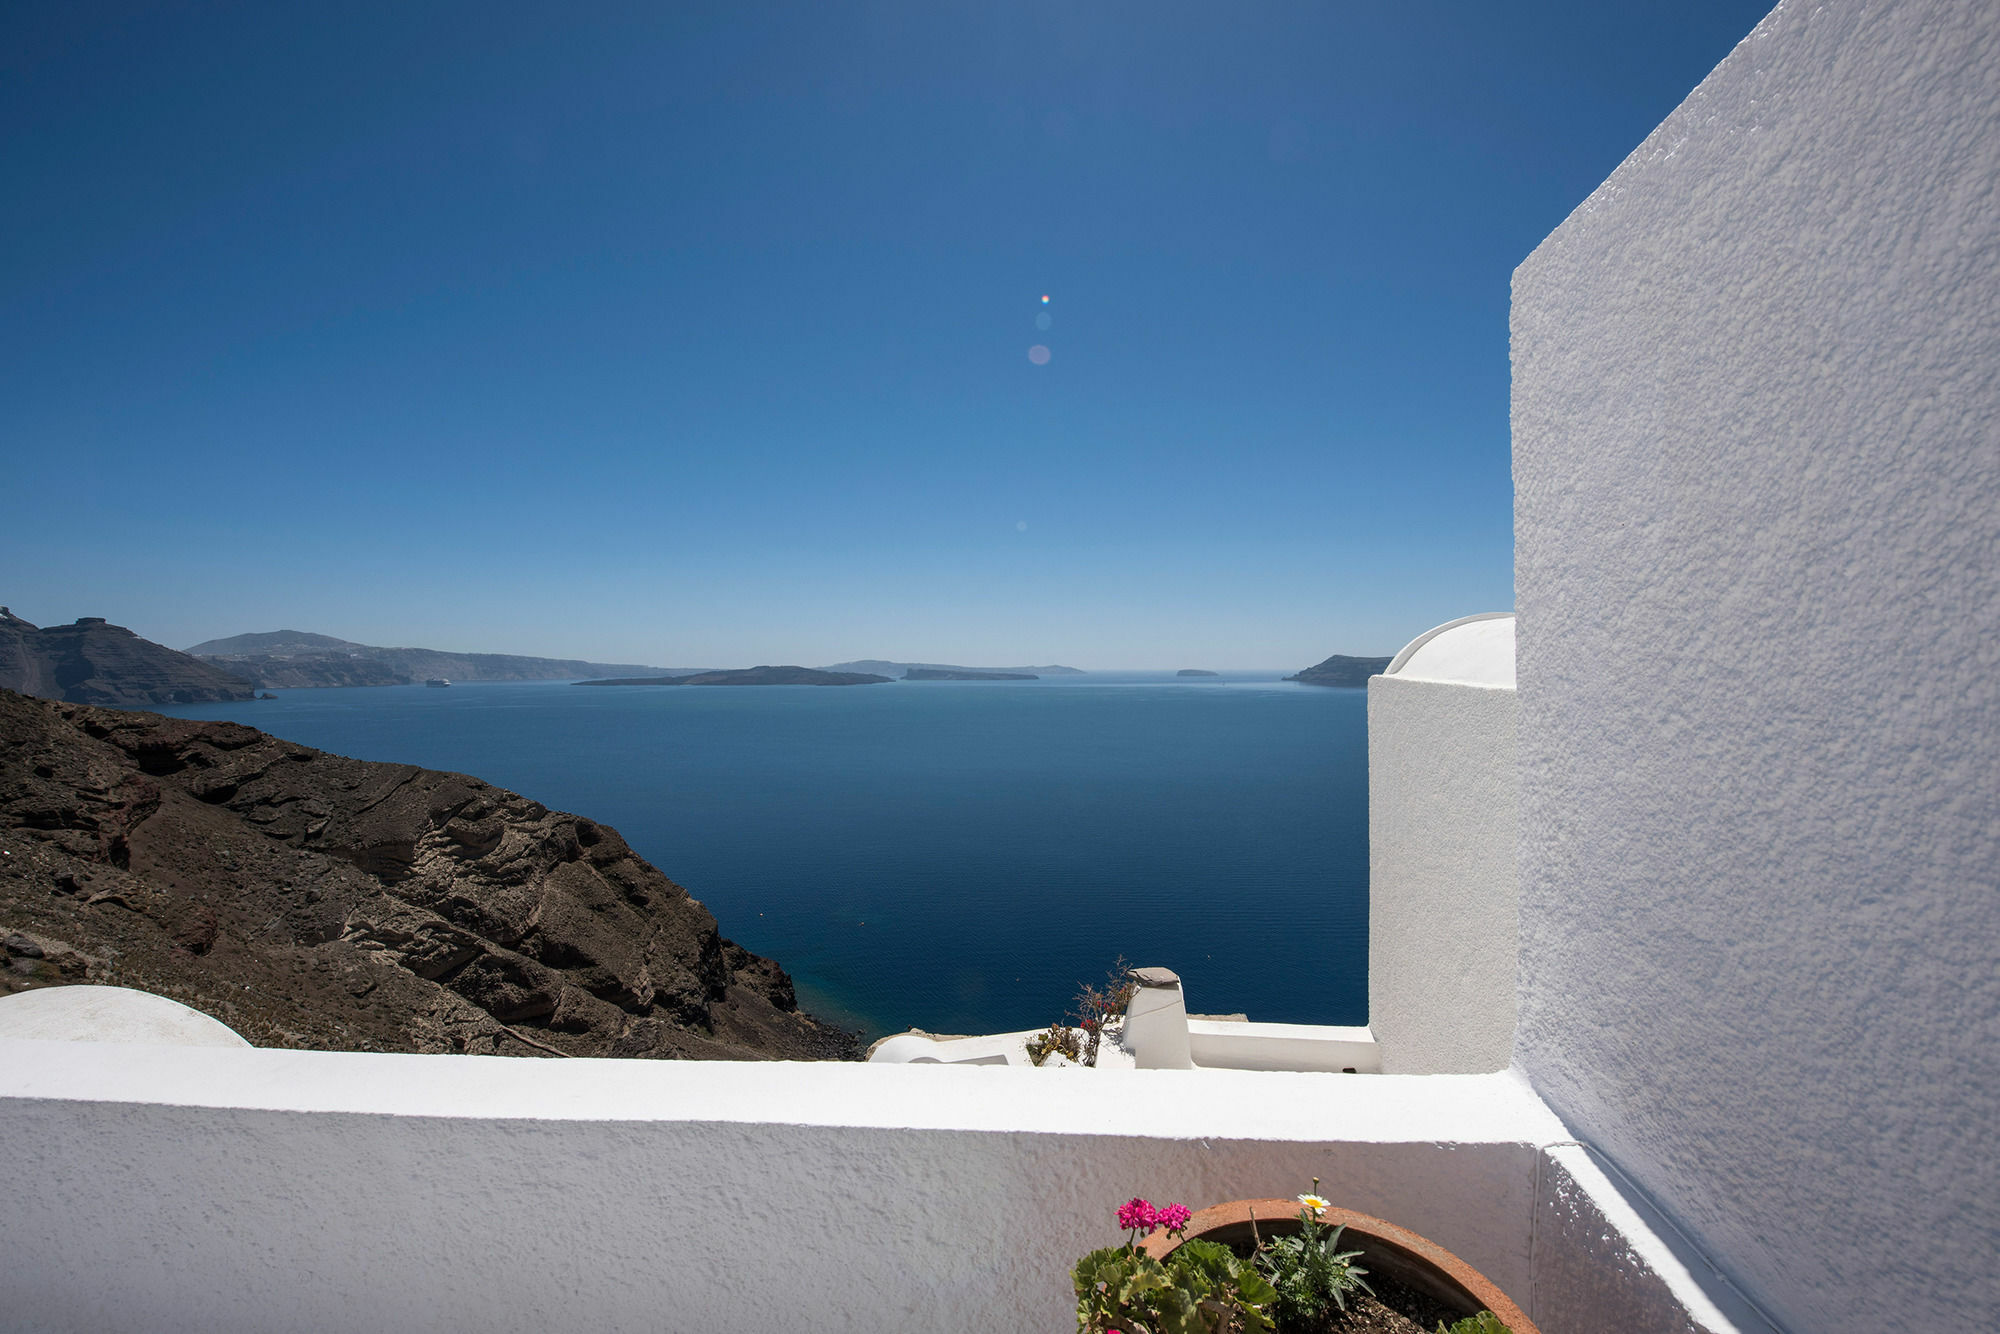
1393	1309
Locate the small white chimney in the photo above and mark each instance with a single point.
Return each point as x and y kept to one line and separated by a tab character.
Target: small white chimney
1156	1022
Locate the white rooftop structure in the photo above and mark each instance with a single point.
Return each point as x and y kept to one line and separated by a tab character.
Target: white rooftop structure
1473	651
1443	894
110	1014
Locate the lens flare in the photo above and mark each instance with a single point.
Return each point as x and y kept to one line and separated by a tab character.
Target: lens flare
1039	355
1045	298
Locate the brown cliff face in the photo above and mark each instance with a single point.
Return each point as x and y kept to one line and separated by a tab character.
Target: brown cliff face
92	662
308	900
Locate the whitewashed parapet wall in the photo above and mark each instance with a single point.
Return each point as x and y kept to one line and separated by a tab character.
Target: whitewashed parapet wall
175	1190
1442	898
1757	471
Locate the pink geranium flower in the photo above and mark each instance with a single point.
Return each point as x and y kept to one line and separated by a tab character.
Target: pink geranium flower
1137	1215
1174	1218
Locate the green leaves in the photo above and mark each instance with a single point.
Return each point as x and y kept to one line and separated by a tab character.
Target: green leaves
1310	1273
1227	1293
1483	1323
1202	1288
1056	1039
1114	1282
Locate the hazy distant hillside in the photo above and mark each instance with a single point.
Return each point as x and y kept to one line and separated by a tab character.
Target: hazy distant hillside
1341	670
944	674
880	667
276	641
93	662
752	676
294	659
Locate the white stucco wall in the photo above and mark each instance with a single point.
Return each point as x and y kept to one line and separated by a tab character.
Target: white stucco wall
163	1190
1441	835
1757	470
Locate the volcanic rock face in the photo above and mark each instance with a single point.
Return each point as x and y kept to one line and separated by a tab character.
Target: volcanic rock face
308	900
92	662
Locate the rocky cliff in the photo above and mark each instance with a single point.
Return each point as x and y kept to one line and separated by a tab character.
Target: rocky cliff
92	662
308	900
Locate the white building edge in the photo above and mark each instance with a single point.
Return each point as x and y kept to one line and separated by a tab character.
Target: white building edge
1682	982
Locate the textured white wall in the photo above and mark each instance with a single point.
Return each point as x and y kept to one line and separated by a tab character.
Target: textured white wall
1757	471
181	1189
1441	877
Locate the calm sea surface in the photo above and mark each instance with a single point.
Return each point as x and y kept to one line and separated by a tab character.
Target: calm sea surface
952	855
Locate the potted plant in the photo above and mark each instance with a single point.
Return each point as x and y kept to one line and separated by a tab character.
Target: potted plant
1328	1268
1255	1265
1099	1011
1200	1287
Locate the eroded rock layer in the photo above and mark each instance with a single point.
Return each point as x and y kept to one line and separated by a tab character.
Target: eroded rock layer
309	900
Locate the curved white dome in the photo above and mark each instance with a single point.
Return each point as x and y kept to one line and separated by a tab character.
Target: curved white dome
110	1014
905	1049
1473	650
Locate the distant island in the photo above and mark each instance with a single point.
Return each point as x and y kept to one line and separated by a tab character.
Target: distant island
882	667
751	676
95	662
1341	670
1195	671
297	660
961	674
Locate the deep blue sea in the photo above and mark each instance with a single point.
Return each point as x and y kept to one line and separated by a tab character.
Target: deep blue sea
957	856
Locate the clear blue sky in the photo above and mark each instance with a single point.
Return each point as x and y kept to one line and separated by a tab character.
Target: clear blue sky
699	334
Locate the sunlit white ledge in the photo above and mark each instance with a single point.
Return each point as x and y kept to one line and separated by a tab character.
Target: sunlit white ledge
1282	1105
218	1190
1211	1044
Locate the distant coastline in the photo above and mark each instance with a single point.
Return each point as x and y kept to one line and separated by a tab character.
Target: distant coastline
1342	670
95	662
959	674
298	660
750	676
884	667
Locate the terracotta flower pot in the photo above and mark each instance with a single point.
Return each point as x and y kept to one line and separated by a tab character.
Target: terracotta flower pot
1388	1251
